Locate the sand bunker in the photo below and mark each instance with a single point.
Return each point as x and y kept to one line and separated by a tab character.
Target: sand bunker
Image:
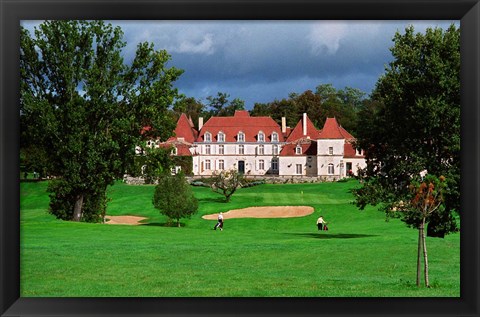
251	212
124	220
265	212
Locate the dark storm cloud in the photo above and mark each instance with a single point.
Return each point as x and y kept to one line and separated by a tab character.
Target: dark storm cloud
259	61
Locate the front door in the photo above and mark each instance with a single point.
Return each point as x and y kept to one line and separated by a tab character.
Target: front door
241	167
349	168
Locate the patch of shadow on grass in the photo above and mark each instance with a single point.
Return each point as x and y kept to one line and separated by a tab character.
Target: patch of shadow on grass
162	224
333	235
212	200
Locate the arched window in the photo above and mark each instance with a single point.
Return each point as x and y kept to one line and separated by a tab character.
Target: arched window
331	169
261	136
298	150
274	137
241	137
221	137
208	137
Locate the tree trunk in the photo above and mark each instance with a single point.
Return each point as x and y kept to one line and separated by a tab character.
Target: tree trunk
419	252
425	257
178	223
77	209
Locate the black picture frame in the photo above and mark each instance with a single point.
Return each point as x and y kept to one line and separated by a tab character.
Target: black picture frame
13	11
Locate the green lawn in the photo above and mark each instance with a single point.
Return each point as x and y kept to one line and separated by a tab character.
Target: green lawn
361	254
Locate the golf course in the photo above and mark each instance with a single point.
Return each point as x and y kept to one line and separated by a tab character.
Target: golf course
361	255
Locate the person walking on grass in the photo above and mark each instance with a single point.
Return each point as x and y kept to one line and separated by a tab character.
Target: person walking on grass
321	224
219	222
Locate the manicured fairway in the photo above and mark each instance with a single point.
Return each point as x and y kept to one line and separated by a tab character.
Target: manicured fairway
361	254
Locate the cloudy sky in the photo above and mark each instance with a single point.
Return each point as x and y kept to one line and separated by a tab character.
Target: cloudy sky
260	61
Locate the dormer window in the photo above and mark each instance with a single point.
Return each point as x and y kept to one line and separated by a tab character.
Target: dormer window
359	151
274	137
261	137
174	151
208	137
241	137
298	150
221	137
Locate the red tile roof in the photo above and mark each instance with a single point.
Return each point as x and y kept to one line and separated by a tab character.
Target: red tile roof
241	113
345	134
183	149
309	147
241	122
297	132
185	130
349	151
332	130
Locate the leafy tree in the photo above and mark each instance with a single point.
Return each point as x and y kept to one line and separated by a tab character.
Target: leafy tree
261	110
341	104
221	106
86	108
227	182
311	104
325	102
157	161
351	97
326	91
426	198
216	104
235	104
284	108
174	197
412	124
191	107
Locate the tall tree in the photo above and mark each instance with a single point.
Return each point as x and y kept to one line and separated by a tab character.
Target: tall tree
326	91
413	125
217	103
86	107
234	105
191	107
174	197
261	110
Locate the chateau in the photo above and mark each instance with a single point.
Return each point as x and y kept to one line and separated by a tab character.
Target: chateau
258	146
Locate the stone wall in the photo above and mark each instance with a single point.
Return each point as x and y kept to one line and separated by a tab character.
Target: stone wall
268	179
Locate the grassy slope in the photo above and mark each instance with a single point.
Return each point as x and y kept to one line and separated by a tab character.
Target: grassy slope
361	254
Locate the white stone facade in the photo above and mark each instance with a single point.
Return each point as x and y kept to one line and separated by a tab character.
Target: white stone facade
262	148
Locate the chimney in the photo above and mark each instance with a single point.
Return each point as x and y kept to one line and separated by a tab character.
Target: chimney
284	125
200	123
304	124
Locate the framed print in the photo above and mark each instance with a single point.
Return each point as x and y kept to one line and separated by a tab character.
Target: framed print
280	115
